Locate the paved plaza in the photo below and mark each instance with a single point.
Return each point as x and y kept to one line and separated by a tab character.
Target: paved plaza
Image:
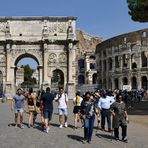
11	137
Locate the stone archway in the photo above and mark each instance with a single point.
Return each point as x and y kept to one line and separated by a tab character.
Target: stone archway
19	72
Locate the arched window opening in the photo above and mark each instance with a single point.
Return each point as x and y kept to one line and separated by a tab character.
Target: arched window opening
116	84
104	65
144	59
125	81
104	54
109	84
92	66
134	83
144	34
144	82
117	62
95	78
134	65
81	65
100	65
81	79
110	63
92	57
104	83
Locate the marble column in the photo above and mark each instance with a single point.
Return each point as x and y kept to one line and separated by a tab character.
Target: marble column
139	82
113	83
45	65
71	67
40	69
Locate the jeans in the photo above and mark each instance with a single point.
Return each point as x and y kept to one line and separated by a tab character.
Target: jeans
105	113
88	127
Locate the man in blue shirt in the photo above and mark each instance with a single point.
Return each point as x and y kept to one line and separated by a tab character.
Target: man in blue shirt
47	107
17	105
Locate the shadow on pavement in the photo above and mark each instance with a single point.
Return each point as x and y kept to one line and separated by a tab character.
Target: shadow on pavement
11	124
75	137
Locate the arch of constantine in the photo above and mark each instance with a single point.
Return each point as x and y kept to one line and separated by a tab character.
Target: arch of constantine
123	60
50	41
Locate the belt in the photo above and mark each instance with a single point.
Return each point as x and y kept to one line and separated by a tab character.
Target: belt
104	109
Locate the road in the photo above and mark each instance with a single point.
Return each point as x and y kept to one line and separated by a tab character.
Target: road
11	137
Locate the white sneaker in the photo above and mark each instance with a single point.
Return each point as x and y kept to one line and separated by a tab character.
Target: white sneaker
66	125
21	126
47	130
61	126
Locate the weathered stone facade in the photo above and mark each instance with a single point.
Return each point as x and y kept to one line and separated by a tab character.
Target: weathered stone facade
86	73
50	41
123	60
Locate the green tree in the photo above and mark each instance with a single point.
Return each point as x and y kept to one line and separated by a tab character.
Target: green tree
138	9
27	72
28	80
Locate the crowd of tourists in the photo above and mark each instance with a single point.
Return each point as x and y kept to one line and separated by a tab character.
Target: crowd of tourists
104	105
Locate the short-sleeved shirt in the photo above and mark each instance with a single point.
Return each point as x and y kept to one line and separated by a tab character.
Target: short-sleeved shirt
119	118
78	100
48	101
19	101
88	108
105	103
62	100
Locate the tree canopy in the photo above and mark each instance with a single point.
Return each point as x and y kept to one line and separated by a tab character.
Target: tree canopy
138	9
28	75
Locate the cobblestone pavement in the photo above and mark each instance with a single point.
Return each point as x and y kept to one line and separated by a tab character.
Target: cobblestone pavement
11	137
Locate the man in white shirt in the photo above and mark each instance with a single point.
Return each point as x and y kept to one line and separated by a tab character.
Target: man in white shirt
62	100
104	104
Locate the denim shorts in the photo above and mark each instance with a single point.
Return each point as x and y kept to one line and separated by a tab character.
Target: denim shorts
18	110
63	111
47	114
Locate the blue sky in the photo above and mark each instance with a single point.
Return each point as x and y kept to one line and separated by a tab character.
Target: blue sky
102	18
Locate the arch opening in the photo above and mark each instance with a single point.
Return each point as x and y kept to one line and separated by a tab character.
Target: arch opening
134	83
95	78
125	81
81	79
26	72
81	64
144	82
116	83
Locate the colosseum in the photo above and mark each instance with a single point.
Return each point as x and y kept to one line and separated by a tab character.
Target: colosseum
123	61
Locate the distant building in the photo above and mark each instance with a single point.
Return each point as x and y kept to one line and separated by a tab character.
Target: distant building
123	60
19	76
35	75
86	73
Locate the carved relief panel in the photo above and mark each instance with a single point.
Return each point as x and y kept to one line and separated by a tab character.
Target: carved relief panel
52	59
63	58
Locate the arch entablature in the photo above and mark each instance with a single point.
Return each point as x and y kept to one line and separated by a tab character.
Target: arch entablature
35	54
